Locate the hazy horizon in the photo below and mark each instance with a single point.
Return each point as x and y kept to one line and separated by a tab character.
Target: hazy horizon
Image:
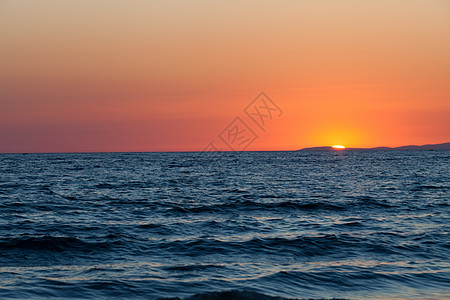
200	151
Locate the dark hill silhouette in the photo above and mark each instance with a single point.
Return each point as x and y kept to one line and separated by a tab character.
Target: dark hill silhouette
443	146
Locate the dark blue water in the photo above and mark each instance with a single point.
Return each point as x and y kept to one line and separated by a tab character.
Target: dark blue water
346	224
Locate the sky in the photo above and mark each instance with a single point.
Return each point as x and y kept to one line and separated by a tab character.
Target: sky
109	75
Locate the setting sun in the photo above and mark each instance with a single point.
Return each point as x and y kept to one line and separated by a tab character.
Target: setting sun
338	147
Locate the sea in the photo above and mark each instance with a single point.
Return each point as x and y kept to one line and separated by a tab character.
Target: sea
225	225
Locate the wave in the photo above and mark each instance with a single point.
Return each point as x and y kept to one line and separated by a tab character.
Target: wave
252	205
301	246
422	187
228	295
196	267
307	246
249	205
55	244
233	294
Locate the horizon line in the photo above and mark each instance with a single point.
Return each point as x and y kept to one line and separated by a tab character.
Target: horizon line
200	151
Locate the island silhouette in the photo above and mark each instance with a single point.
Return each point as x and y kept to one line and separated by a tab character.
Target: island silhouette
442	146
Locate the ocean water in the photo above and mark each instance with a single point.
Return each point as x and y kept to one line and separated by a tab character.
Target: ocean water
254	225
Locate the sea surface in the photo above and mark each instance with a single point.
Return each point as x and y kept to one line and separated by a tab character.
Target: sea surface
253	225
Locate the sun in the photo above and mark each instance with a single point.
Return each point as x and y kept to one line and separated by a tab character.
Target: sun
338	147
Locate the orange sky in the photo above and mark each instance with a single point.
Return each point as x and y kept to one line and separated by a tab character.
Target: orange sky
100	75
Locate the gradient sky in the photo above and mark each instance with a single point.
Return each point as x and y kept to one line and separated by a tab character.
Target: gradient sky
104	75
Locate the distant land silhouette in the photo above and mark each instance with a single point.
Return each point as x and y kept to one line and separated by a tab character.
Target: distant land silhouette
443	146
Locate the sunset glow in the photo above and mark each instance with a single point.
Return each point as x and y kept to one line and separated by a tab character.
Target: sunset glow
338	147
82	76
